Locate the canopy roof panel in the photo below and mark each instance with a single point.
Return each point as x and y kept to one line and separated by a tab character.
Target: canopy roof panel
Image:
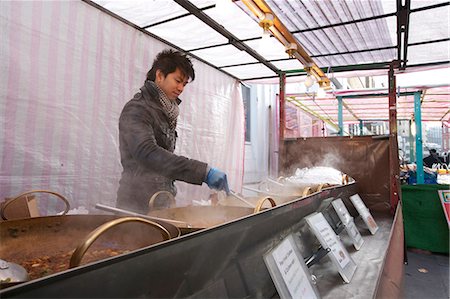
204	37
342	37
336	34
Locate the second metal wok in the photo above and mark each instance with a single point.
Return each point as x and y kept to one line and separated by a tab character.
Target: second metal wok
200	217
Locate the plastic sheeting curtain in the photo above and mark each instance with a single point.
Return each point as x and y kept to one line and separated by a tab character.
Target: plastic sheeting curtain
67	69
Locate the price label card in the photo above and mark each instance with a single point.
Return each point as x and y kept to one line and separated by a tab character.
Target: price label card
342	211
354	234
328	239
349	225
365	213
289	271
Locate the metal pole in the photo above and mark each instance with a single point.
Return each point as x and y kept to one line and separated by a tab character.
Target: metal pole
282	103
419	151
340	117
394	165
412	156
361	130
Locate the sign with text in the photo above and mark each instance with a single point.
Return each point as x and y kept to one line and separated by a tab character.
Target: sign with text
289	272
349	225
444	196
328	239
365	213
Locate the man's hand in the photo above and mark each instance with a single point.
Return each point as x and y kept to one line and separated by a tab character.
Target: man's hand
217	179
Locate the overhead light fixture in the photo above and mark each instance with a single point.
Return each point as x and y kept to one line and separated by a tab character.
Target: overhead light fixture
266	22
310	78
309	81
291	49
324	84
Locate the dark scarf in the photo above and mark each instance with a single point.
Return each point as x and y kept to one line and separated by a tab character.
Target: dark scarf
170	107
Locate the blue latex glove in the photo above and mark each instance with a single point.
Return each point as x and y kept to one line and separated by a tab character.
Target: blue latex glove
217	179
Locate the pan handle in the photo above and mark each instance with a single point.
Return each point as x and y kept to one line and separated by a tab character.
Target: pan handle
151	202
79	252
261	202
344	179
307	191
321	186
7	203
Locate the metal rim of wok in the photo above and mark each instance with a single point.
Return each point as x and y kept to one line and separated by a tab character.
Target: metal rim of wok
7	203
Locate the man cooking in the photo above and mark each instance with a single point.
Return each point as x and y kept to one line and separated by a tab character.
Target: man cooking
147	137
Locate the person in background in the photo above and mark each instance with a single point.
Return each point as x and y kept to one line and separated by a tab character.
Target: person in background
446	158
431	159
147	137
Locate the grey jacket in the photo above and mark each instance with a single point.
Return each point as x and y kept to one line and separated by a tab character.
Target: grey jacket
146	150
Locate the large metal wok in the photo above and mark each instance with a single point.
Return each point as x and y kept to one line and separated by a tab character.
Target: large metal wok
36	243
281	190
279	199
200	217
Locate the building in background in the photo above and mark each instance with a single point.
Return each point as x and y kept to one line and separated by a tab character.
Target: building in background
446	137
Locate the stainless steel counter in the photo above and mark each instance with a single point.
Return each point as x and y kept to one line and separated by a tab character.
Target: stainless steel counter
223	262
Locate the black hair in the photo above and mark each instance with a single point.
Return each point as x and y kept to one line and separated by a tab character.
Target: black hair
167	61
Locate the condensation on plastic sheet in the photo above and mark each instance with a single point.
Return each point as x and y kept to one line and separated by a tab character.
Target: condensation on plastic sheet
67	71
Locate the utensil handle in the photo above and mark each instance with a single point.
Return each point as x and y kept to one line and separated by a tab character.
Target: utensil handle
83	247
129	213
259	191
241	198
275	182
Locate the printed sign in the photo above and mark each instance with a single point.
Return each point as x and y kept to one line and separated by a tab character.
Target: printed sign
349	225
289	272
354	234
342	211
444	196
328	239
365	213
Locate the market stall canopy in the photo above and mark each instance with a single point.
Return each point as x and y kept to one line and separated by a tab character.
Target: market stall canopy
337	35
340	37
372	104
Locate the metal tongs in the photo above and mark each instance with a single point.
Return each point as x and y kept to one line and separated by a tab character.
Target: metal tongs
234	194
129	213
259	191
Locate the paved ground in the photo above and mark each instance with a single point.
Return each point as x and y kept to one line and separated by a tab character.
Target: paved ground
426	275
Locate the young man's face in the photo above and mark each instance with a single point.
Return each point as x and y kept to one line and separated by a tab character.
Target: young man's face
172	84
